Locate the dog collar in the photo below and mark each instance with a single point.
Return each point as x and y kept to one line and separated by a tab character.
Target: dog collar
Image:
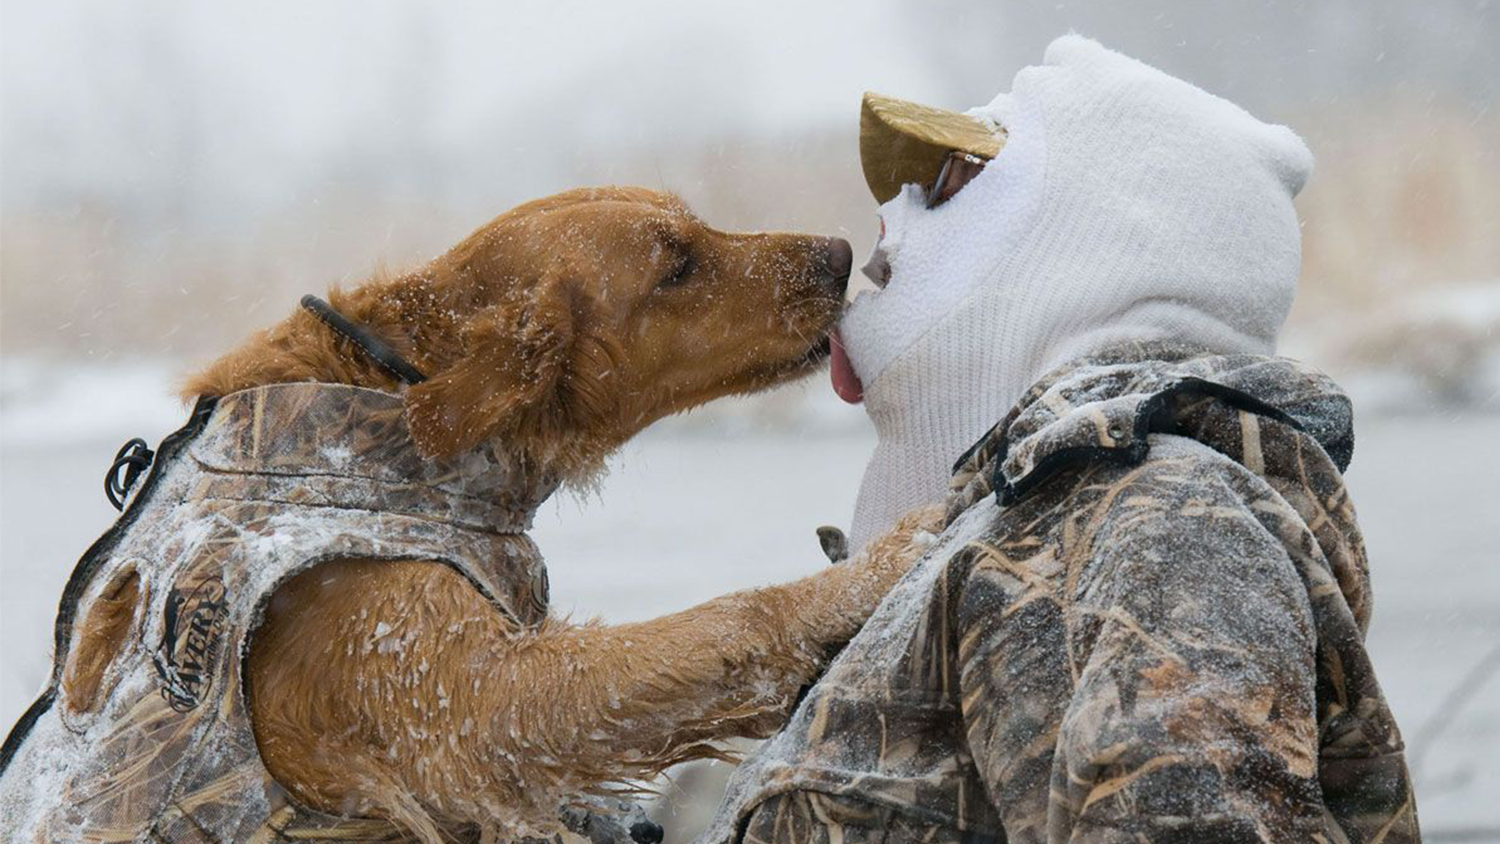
376	349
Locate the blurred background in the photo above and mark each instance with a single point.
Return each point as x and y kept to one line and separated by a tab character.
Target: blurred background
175	174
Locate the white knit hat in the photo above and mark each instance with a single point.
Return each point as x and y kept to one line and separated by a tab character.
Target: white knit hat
1125	205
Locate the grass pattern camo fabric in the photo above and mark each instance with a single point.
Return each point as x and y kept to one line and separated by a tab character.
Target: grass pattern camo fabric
1158	637
278	479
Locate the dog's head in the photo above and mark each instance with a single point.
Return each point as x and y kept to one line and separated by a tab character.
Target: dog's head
576	320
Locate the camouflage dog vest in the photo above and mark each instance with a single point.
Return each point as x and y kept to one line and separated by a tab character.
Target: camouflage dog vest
259	486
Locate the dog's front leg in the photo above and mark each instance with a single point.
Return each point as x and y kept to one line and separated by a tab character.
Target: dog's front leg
630	700
395	689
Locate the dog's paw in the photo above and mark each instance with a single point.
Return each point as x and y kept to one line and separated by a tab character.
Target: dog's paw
921	526
893	554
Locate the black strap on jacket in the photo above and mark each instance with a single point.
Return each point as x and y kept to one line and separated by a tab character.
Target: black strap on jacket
134	458
383	355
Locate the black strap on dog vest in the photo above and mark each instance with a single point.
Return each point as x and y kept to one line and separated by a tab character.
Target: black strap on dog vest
383	355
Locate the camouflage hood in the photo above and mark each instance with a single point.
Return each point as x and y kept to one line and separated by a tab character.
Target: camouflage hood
1105	408
259	486
1144	619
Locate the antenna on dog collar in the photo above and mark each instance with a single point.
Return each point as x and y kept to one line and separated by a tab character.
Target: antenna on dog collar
383	355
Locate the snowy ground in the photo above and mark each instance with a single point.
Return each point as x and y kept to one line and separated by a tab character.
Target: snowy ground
691	511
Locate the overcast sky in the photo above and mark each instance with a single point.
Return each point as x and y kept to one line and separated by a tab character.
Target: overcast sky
225	104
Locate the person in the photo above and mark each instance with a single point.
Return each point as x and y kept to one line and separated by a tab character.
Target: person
1144	619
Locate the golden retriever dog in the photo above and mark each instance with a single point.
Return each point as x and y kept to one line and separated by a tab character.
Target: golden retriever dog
558	330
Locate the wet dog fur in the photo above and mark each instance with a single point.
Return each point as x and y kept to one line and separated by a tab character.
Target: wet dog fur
559	330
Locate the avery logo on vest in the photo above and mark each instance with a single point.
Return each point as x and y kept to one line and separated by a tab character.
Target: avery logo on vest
190	643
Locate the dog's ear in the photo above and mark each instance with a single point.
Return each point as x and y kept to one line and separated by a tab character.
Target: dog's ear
516	356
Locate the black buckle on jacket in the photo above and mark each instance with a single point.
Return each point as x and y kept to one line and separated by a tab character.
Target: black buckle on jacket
133	458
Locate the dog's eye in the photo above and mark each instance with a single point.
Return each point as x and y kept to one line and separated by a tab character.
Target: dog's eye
679	272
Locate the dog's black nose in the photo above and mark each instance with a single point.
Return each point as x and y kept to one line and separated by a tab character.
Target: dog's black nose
840	258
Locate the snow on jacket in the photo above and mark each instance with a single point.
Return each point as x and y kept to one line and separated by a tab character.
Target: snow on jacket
1144	621
260	485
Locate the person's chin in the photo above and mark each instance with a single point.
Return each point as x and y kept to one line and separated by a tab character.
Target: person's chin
858	354
846	382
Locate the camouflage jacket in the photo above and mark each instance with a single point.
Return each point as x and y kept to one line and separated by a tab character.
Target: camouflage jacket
260	485
1143	622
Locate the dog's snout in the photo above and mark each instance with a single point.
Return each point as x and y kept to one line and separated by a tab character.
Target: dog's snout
839	257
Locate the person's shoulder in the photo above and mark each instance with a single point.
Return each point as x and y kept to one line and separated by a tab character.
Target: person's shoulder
1174	475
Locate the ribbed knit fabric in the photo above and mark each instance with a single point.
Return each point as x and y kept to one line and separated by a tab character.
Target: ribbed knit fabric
1126	205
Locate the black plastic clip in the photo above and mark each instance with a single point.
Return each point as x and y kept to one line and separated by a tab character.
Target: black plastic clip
133	458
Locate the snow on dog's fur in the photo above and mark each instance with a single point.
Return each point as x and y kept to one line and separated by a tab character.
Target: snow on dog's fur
558	330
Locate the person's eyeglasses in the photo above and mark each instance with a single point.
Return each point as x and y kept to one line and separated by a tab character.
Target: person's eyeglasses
959	168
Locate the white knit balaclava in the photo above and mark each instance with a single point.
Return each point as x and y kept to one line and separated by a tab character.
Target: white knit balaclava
1125	205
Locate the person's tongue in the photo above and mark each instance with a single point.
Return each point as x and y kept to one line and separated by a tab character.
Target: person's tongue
845	382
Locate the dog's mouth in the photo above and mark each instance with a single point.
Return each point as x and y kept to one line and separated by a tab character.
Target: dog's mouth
792	368
821	350
841	372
